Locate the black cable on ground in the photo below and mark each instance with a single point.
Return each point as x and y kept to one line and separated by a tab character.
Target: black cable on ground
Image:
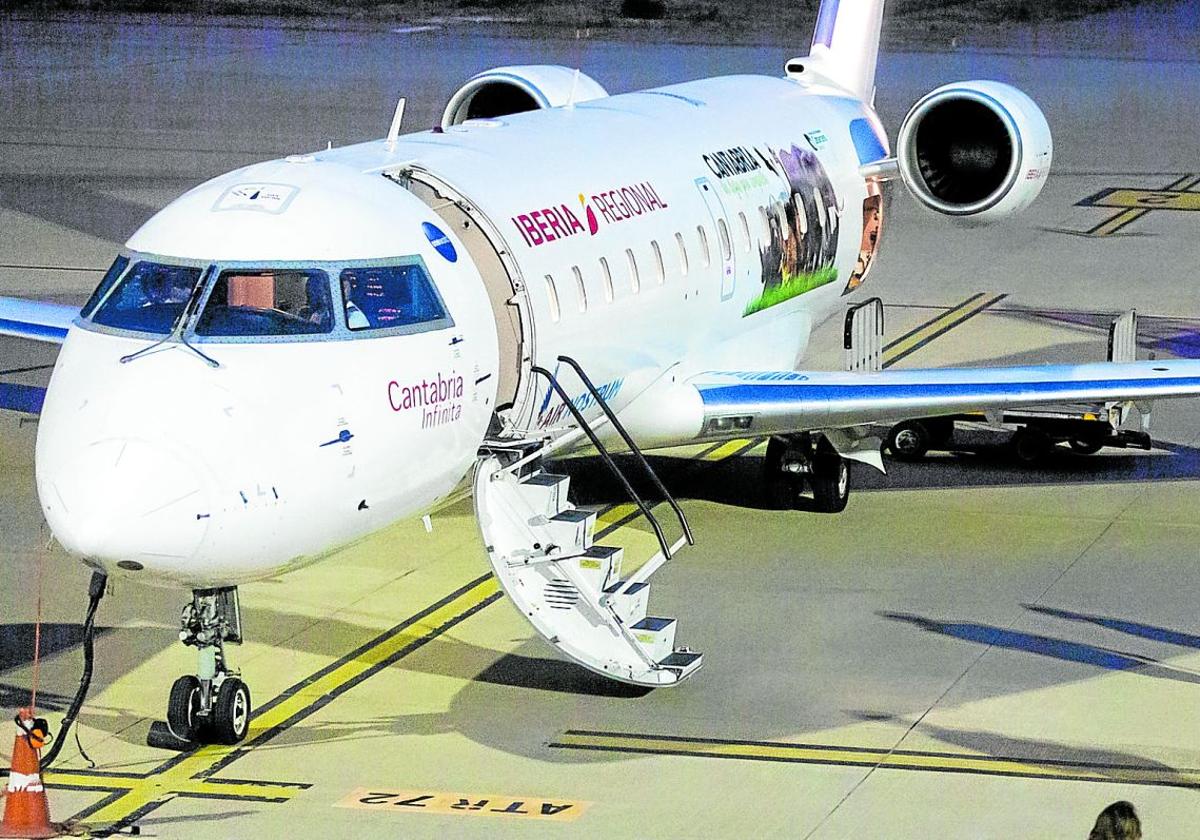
95	593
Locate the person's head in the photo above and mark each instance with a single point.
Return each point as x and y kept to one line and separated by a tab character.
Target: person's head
1119	821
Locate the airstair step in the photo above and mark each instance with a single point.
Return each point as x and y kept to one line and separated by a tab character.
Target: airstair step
572	529
656	635
546	492
629	606
685	660
600	565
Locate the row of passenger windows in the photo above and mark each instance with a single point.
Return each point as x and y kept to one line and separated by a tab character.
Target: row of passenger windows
773	217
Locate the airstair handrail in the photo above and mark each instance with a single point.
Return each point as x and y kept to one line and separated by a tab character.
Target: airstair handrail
606	457
633	447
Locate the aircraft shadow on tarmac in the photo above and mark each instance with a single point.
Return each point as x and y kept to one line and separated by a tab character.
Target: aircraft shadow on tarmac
1064	650
739	481
1028	749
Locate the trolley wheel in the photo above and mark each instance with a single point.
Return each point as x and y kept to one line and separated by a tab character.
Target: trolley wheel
830	483
1030	445
183	708
230	718
909	441
1085	447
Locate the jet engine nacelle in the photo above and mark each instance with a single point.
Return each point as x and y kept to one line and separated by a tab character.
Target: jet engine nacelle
976	151
512	90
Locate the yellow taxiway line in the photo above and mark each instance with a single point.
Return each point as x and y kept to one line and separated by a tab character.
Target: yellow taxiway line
132	796
921	336
888	759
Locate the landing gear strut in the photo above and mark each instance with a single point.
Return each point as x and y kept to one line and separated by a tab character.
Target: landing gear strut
214	705
796	460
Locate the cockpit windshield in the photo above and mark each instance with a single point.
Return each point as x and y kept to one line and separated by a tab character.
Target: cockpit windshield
268	302
245	302
149	298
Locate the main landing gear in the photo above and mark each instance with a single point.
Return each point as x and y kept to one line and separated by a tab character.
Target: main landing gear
794	461
214	705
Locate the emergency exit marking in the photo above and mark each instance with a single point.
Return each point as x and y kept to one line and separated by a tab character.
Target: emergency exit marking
433	802
1144	199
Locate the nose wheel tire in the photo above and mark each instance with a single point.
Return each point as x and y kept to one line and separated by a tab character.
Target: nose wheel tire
183	708
830	483
230	717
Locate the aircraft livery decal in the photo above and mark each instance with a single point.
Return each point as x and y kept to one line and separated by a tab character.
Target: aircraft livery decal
549	224
802	260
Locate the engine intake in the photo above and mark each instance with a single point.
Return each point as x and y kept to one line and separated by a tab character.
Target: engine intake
514	90
976	151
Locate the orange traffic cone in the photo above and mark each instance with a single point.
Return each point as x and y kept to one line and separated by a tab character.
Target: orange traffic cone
26	810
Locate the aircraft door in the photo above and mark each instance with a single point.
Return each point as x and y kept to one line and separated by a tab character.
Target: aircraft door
506	292
723	242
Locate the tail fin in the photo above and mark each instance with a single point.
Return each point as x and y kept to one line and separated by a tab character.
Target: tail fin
845	45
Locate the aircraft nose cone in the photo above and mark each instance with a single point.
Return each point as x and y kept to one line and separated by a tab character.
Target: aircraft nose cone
129	503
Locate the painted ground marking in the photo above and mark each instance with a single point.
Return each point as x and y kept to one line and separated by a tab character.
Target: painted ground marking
521	808
887	759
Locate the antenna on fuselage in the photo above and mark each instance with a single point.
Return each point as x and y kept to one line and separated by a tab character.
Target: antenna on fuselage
397	118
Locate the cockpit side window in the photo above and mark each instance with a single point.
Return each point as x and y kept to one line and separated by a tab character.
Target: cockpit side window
110	278
383	297
275	301
150	298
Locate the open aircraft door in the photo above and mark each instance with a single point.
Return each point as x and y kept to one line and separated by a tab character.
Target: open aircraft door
502	278
724	240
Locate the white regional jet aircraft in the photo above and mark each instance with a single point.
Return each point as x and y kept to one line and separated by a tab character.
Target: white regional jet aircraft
301	352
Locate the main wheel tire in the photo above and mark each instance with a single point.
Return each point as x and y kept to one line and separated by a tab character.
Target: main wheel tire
782	490
830	483
183	707
1029	446
909	441
1085	447
230	718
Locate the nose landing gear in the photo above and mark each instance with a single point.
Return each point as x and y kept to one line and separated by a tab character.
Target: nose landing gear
214	705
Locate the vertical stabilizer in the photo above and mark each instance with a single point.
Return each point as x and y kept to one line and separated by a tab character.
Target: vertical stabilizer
845	46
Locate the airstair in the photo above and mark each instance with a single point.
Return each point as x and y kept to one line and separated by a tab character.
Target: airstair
542	548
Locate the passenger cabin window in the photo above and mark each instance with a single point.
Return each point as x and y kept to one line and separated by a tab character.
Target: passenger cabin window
386	297
705	256
579	285
726	245
659	268
606	275
552	294
683	257
635	281
781	217
745	230
150	297
766	223
256	302
820	208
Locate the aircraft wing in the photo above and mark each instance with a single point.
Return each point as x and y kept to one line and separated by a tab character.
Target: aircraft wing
743	403
36	320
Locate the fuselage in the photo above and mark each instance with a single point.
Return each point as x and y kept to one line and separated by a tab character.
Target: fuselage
651	236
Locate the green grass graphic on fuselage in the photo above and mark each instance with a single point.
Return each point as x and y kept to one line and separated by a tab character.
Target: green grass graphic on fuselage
792	286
